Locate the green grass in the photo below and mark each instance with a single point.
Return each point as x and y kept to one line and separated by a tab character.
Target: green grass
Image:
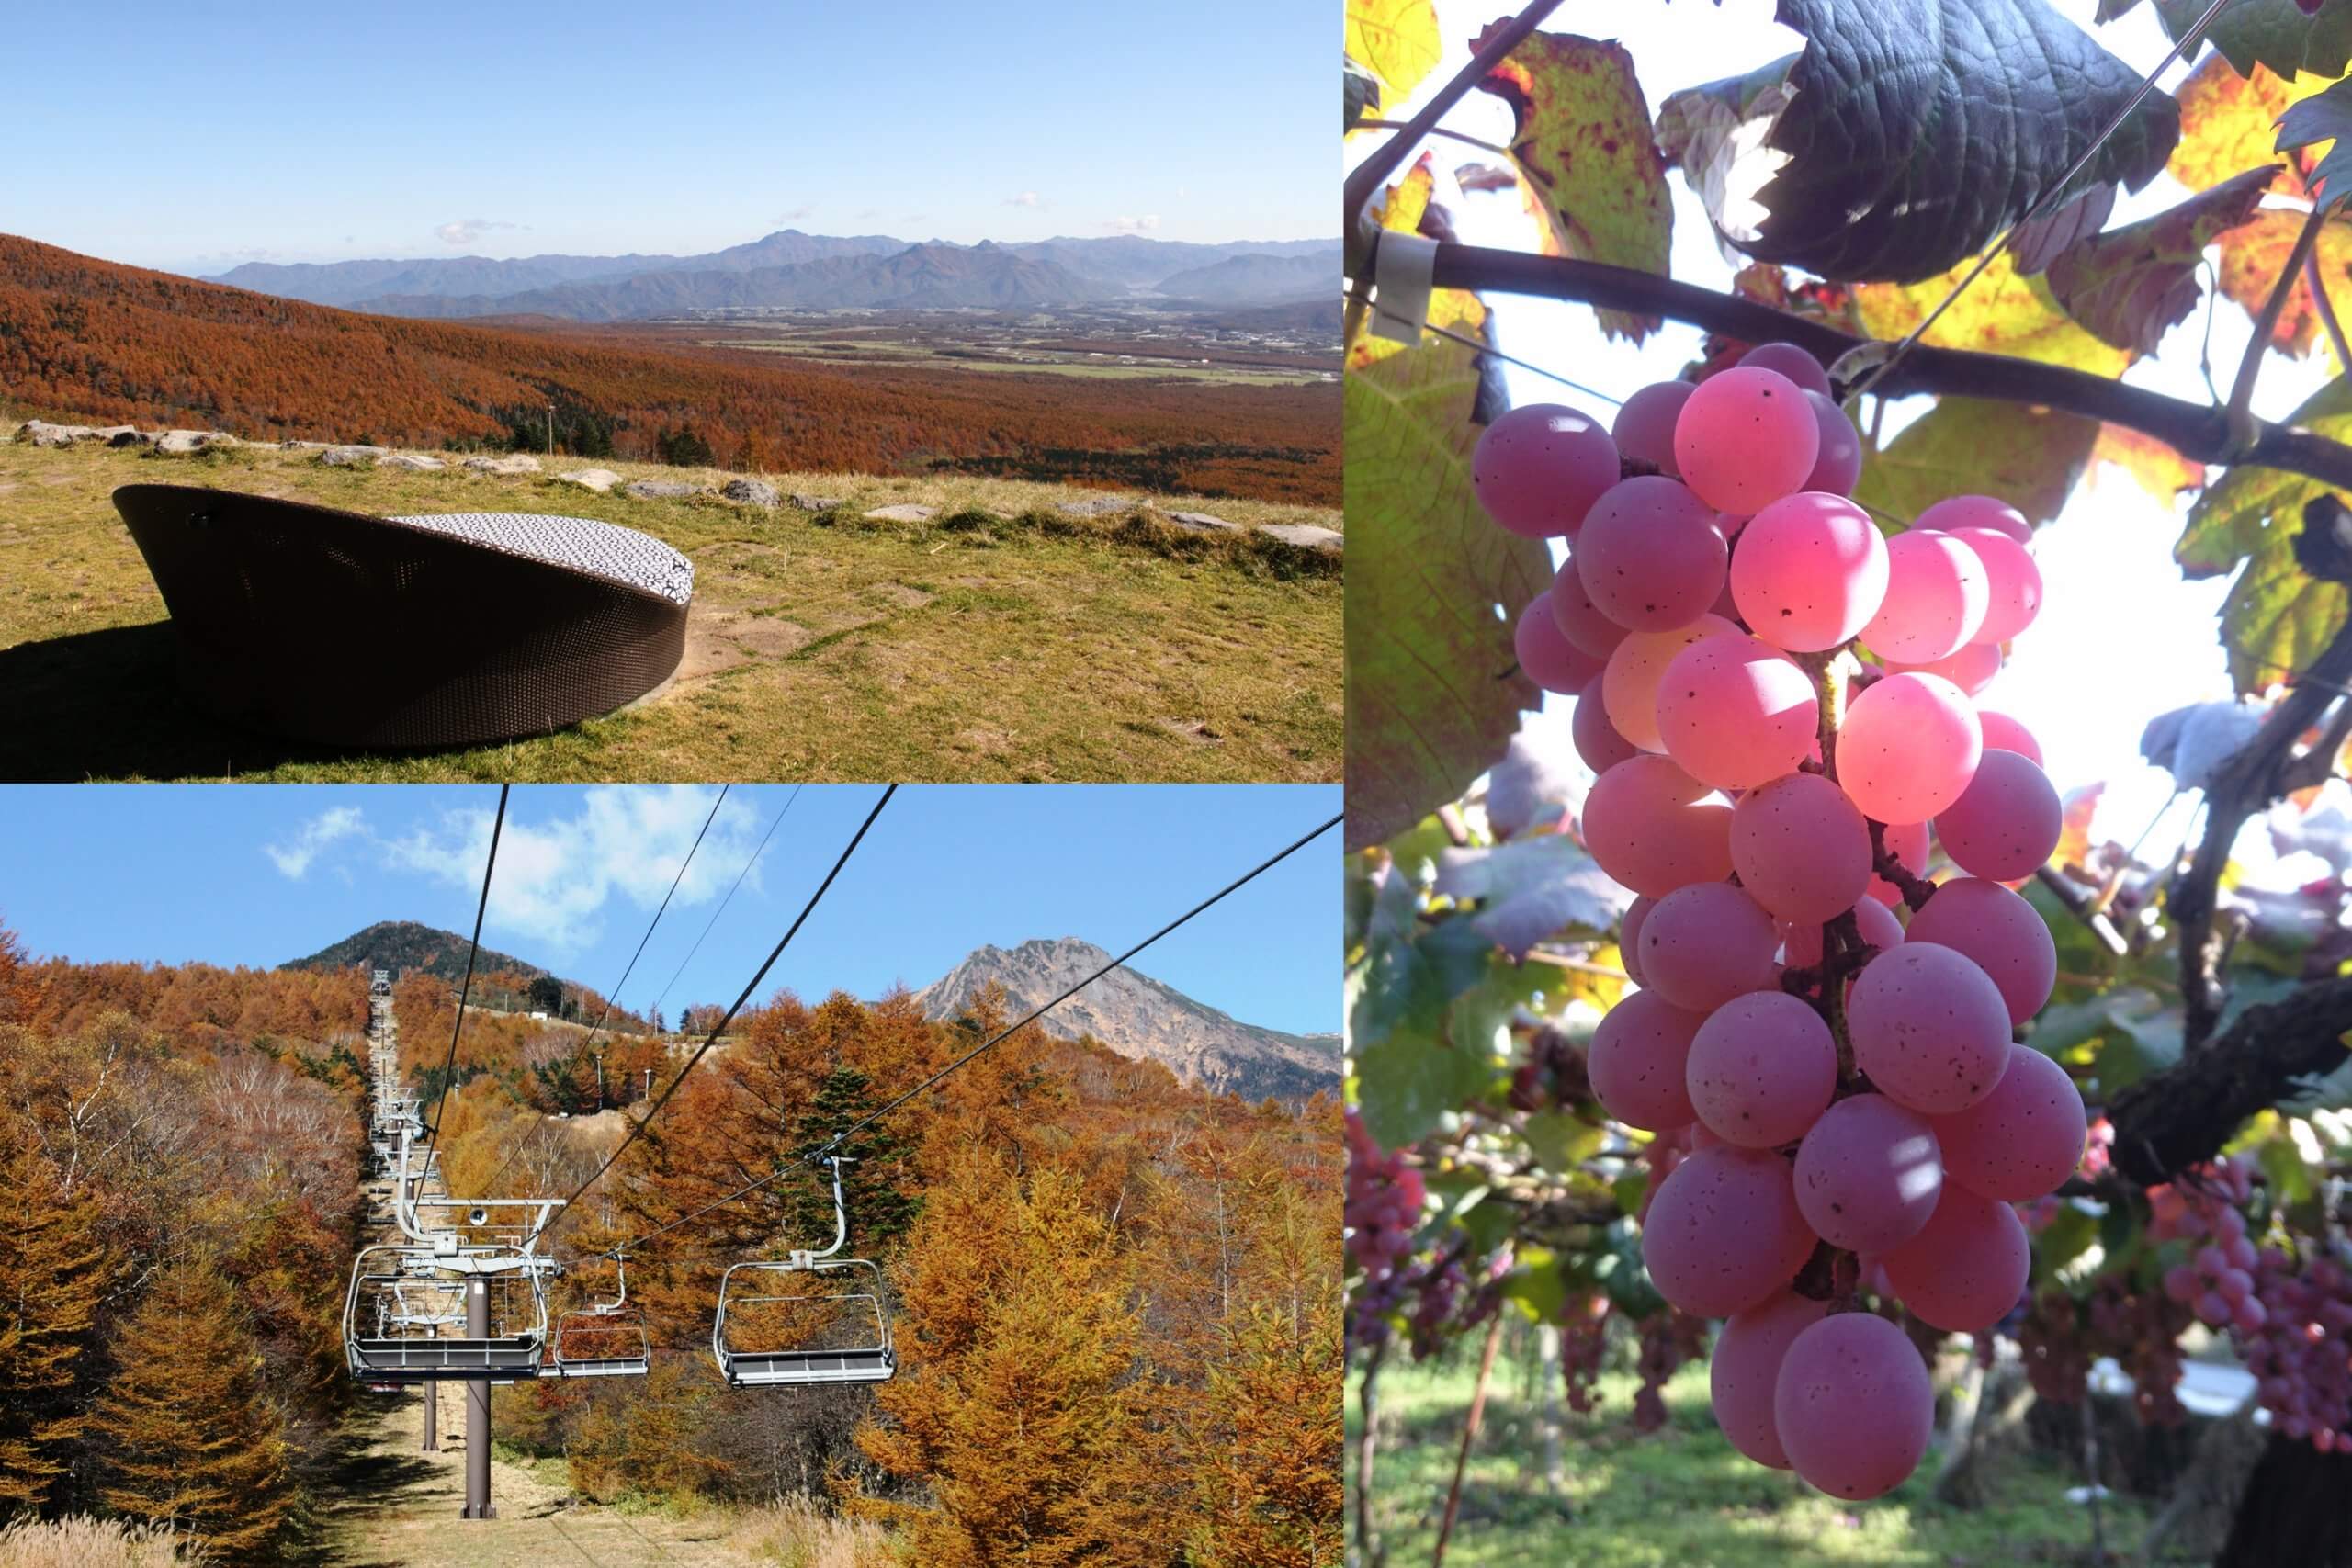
1680	1497
1001	641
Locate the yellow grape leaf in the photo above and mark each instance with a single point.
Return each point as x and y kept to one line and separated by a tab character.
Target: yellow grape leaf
2131	285
1456	310
2075	826
2252	256
2001	313
2226	124
2028	457
1593	172
2152	463
1397	40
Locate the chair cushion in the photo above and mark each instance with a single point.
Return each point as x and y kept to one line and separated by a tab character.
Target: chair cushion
582	544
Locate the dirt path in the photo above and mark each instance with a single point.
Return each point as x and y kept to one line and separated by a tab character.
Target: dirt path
392	1505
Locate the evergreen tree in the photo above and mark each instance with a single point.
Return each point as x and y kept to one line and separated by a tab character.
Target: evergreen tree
187	1437
52	1268
879	1213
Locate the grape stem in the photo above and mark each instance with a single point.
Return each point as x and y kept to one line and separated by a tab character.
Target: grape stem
2242	427
1916	890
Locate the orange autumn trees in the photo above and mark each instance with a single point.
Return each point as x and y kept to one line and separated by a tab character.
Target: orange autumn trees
52	1271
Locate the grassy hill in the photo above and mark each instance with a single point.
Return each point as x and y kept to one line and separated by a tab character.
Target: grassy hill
1003	641
407	947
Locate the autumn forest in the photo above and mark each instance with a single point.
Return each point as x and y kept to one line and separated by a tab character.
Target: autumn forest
1116	1298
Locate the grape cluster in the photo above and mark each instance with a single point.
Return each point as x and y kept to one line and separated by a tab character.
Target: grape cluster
1584	1338
1843	1077
1382	1209
2140	1328
2292	1321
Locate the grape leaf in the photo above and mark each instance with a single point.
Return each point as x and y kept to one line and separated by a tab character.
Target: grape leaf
2153	464
1582	137
2227	123
2252	256
1407	1074
1361	95
1433	695
2029	457
1397	40
1532	888
2278	617
2001	313
1406	208
2130	285
2326	116
1538	782
1921	129
2275	33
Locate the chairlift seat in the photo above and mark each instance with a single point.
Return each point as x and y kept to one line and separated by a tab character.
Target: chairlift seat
785	1369
347	628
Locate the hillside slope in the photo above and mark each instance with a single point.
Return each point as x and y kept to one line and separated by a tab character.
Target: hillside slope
406	947
1139	1016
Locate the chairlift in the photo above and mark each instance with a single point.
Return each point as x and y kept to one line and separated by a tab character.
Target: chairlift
603	1339
850	1344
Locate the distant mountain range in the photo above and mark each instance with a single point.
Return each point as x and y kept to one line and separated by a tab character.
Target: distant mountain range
792	270
1136	1016
405	946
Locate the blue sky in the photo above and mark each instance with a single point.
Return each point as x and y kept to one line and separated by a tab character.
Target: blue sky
256	874
283	132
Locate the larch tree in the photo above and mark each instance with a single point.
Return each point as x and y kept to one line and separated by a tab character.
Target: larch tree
52	1271
187	1436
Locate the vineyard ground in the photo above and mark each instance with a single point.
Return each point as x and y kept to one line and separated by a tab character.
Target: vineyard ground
1681	1496
1030	647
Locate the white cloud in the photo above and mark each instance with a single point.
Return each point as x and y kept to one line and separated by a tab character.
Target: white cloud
294	859
795	215
466	231
1142	225
556	877
1026	198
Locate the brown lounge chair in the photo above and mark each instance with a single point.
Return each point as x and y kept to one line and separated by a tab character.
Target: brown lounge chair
354	631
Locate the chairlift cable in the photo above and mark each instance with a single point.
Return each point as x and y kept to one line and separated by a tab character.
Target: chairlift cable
637	1242
740	875
655	1108
612	995
450	1067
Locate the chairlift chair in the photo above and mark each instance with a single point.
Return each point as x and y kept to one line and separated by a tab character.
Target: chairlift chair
853	1298
402	1341
605	1339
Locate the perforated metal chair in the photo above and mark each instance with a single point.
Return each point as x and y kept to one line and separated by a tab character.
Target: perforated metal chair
603	1340
351	629
838	1332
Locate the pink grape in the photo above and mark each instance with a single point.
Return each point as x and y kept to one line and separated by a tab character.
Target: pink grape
1636	1062
1735	712
1629	936
1930	1028
1746	1365
2021	1141
1537	469
1956	512
1645	425
2013	583
1967	1266
1853	1406
1762	1069
1798	365
1597	741
1801	848
1909	747
2003	733
1971	669
1724	1231
1649	830
1840	463
1874	920
1629	685
1545	656
2004	823
1650	556
1868	1173
1745	438
2005	936
1580	620
1705	944
1810	572
1937	590
1907	843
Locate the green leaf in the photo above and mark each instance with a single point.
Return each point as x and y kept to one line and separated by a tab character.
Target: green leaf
1560	1141
1582	137
2118	1229
2063	1240
1532	888
2128	286
2275	32
2328	116
1536	1283
1429	706
1921	129
2278	617
1405	1084
1395	40
2028	457
1362	94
